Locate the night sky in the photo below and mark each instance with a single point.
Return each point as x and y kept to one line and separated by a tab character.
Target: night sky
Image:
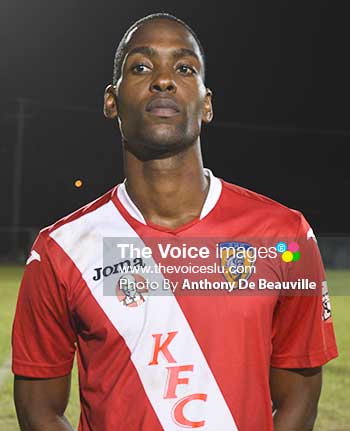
278	70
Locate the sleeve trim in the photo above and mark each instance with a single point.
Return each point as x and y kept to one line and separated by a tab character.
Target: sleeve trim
315	359
30	369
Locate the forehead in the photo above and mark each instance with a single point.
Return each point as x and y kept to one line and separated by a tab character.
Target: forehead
162	34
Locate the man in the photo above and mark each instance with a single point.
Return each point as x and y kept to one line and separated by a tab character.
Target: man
169	362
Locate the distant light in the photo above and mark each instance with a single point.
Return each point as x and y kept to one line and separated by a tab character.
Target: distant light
78	184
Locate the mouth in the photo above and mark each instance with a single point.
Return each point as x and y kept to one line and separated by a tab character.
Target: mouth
162	107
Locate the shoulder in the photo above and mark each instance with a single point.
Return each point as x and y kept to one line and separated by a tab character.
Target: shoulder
262	209
76	224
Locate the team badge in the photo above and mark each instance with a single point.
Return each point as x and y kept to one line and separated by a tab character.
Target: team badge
130	288
237	260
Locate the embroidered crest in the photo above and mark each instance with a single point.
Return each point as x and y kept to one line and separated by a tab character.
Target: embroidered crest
237	260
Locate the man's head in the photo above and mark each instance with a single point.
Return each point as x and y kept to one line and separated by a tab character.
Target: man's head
122	47
158	93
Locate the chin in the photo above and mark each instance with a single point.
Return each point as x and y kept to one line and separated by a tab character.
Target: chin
161	140
166	143
165	137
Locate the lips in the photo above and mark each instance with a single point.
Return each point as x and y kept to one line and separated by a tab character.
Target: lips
163	107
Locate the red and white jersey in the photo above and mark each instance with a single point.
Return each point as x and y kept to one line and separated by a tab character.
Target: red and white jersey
181	360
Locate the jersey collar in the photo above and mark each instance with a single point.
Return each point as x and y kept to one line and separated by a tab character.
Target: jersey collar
213	195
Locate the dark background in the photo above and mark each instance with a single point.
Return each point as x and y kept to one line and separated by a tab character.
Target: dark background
278	70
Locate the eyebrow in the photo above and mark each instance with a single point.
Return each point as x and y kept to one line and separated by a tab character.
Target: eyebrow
151	52
185	52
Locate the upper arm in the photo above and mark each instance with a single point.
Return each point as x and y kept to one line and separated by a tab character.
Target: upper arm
43	336
302	328
39	401
303	339
295	394
43	343
302	386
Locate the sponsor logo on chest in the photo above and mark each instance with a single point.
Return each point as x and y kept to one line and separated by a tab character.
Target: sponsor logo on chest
122	266
176	375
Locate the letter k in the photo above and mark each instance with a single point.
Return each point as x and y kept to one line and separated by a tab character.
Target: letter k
158	347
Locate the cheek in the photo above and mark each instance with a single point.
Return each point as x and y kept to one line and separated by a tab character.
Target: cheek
196	99
195	107
127	98
127	109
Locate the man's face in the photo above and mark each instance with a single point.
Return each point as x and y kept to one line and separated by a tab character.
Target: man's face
161	97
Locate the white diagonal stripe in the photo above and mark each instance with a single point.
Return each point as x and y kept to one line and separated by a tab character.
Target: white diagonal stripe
82	240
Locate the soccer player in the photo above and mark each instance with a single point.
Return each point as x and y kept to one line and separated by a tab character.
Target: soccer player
169	362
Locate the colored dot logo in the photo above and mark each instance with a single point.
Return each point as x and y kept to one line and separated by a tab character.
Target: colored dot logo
289	253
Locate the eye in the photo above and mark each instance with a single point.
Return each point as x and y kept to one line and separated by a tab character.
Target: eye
140	68
184	69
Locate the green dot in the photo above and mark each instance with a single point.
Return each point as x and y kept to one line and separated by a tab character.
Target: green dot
296	256
287	256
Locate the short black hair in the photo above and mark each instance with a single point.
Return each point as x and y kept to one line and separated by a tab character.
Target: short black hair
121	50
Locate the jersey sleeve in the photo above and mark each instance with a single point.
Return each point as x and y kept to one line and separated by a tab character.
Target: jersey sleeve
302	328
43	336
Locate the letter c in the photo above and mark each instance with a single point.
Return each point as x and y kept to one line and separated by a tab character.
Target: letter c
178	411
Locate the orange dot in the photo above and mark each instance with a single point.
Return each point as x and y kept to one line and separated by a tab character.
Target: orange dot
78	183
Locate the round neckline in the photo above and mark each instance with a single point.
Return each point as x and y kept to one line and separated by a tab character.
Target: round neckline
129	210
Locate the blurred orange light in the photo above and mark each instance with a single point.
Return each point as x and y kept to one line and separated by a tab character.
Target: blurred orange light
78	183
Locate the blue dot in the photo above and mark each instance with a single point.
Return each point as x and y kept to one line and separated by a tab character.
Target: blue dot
281	247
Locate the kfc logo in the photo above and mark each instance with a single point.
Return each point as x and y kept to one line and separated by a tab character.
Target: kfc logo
130	288
176	375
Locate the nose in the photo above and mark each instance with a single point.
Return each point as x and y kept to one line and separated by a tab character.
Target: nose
162	82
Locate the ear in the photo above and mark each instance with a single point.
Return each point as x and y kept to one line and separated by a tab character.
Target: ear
110	103
208	107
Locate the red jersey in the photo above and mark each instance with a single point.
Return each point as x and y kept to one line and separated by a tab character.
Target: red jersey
197	356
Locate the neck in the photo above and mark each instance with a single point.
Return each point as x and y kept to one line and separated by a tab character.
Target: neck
170	191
